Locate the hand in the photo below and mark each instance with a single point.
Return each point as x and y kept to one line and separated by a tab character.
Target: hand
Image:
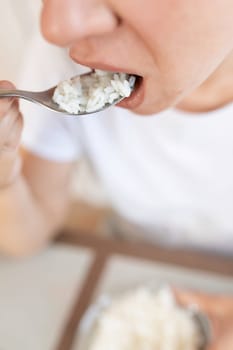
219	310
11	124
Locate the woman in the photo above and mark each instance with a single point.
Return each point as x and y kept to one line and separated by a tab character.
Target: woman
168	173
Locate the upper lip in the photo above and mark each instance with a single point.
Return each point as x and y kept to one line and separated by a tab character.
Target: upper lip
106	67
110	68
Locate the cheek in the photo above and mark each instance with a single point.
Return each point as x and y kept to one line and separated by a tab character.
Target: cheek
185	46
151	30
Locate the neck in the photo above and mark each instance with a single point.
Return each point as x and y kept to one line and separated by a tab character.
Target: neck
214	93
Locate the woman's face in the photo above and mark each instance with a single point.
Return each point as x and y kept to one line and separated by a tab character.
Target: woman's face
174	45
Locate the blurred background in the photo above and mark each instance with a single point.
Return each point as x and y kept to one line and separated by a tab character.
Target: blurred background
19	20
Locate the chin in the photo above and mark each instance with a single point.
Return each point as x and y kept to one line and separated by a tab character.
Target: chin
149	108
145	112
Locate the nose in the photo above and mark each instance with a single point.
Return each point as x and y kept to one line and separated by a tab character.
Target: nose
64	22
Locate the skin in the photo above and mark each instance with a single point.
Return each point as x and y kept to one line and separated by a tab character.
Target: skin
171	45
183	51
220	312
32	210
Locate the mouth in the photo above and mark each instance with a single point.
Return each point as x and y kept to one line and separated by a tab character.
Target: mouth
137	96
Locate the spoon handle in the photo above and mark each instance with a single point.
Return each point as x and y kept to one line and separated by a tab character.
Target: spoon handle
27	95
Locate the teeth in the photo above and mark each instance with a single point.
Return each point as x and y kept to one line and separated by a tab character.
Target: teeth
132	80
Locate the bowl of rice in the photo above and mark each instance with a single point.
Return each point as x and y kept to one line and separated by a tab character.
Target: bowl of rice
142	319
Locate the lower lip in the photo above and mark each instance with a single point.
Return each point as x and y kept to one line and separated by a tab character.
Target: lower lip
137	96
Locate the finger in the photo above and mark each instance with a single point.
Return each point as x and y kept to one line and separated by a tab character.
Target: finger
13	139
9	123
193	298
5	103
220	304
206	303
223	342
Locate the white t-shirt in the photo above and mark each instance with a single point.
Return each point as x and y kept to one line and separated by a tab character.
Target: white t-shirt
170	173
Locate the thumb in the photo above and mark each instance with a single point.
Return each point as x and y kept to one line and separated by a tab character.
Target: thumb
6	102
5	84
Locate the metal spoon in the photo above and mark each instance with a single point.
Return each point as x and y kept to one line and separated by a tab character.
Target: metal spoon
45	98
204	327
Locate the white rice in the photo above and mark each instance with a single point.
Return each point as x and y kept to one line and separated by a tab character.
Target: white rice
92	92
144	320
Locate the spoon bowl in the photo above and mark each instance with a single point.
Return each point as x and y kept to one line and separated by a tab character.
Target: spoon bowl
45	98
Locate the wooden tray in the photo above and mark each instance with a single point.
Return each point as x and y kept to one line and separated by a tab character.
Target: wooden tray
120	265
